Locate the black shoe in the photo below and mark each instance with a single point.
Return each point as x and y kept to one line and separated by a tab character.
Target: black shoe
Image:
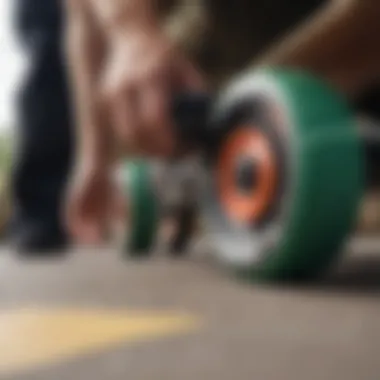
36	241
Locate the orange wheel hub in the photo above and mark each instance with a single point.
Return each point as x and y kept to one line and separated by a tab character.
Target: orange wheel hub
247	175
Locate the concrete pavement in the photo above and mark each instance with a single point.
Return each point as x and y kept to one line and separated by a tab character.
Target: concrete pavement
170	320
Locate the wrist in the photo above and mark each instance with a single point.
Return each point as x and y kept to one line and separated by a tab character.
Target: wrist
132	35
96	147
94	160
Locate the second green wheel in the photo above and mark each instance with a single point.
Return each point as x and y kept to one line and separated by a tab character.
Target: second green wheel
142	209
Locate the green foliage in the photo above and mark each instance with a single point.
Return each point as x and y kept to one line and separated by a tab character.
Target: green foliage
6	155
6	150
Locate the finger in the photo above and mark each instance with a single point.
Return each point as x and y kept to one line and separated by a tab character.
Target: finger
125	120
72	211
83	215
116	98
82	225
89	233
155	110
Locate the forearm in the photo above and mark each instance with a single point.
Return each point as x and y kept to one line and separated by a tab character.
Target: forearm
116	17
85	51
340	44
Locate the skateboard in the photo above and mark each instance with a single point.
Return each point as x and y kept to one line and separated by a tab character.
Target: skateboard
285	164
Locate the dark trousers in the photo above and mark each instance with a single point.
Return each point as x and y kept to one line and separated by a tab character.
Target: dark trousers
44	119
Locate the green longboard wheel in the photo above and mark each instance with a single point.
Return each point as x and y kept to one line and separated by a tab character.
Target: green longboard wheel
286	177
141	211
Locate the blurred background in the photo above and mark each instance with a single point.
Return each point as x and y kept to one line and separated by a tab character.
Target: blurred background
94	315
12	67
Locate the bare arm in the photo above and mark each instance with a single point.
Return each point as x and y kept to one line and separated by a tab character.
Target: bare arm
85	48
185	22
339	43
119	16
118	51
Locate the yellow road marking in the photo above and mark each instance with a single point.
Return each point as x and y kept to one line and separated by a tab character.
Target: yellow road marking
33	338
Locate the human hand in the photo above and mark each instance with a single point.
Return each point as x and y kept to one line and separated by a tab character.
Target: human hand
89	204
143	73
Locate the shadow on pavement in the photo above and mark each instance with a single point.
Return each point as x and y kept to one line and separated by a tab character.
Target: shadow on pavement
358	275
